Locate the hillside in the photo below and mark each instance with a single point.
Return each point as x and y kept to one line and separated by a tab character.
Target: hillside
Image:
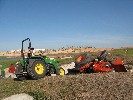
17	53
99	86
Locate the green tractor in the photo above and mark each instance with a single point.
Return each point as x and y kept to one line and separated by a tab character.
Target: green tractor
36	67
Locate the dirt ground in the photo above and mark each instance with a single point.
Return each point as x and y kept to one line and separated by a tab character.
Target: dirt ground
98	86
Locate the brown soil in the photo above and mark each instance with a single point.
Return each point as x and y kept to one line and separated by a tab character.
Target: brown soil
98	86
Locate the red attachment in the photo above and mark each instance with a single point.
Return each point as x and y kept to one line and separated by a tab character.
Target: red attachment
118	62
119	66
101	67
80	58
97	67
85	67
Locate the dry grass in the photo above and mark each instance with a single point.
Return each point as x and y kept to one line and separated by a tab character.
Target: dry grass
99	86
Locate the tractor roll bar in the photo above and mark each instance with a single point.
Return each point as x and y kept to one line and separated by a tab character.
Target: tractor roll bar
22	53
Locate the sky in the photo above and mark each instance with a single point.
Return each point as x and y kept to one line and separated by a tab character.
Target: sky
52	24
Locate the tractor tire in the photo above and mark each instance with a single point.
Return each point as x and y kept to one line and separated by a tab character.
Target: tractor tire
19	73
61	71
18	69
51	70
37	70
20	77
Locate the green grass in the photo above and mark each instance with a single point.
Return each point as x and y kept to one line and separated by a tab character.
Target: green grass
118	52
8	62
2	57
66	61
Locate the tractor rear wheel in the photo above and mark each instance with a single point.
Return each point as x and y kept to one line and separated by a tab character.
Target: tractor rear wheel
37	70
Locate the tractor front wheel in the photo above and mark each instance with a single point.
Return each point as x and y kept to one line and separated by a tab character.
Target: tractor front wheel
61	71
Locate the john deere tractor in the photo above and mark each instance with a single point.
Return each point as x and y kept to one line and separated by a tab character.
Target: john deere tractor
35	66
